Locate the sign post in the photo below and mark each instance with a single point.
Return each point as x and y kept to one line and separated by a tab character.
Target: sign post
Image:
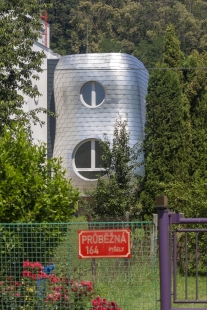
104	243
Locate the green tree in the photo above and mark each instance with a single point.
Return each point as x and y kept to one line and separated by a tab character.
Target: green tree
130	26
116	191
150	51
172	54
19	27
32	188
167	144
58	13
194	86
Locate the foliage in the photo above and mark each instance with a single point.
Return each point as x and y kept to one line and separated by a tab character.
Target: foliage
116	191
172	55
167	141
194	87
131	26
58	13
167	144
109	277
38	288
103	304
19	27
175	142
32	188
150	51
189	196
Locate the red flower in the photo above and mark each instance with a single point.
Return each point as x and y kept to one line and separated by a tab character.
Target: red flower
102	304
26	264
52	278
58	288
42	275
27	273
31	265
49	297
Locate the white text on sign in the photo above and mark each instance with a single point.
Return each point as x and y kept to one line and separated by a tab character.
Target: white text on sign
108	239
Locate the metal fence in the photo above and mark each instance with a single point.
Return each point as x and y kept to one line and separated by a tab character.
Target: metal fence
183	260
40	269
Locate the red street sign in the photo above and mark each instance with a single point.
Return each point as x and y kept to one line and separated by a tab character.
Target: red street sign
104	243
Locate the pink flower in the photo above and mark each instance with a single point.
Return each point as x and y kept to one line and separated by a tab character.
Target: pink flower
52	278
42	275
34	276
31	265
102	304
27	273
56	296
37	265
66	297
74	285
26	264
49	297
15	283
58	288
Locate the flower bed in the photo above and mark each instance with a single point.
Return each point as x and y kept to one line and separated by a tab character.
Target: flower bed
39	288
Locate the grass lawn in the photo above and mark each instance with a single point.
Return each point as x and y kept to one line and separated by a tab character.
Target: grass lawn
131	283
191	291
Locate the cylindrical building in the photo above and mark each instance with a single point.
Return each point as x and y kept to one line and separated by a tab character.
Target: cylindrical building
91	90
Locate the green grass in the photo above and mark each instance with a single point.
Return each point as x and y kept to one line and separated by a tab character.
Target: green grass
131	283
202	291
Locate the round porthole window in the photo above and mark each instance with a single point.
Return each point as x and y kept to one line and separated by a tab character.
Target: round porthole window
87	161
92	94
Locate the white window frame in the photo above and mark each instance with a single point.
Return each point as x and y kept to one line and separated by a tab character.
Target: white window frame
93	95
93	159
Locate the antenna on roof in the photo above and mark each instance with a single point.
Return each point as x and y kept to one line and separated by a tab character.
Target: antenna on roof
87	39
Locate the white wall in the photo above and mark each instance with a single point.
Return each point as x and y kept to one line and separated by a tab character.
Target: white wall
40	133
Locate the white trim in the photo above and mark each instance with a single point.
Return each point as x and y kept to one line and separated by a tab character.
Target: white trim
93	95
93	154
93	158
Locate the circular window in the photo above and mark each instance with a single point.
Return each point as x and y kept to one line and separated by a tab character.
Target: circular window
92	94
87	160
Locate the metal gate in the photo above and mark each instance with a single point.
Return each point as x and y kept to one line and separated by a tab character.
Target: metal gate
183	260
40	269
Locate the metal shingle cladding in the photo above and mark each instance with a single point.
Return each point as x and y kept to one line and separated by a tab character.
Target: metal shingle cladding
125	81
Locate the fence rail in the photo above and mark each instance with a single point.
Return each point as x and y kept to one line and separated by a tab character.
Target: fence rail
183	259
40	268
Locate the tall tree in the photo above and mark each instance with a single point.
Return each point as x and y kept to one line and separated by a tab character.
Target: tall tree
19	27
167	142
58	13
194	86
172	54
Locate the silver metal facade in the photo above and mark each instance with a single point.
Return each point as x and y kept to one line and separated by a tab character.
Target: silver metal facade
125	82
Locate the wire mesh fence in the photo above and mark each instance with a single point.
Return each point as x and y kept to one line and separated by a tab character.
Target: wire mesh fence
40	269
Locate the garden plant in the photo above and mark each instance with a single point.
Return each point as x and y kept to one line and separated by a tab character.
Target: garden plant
41	289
